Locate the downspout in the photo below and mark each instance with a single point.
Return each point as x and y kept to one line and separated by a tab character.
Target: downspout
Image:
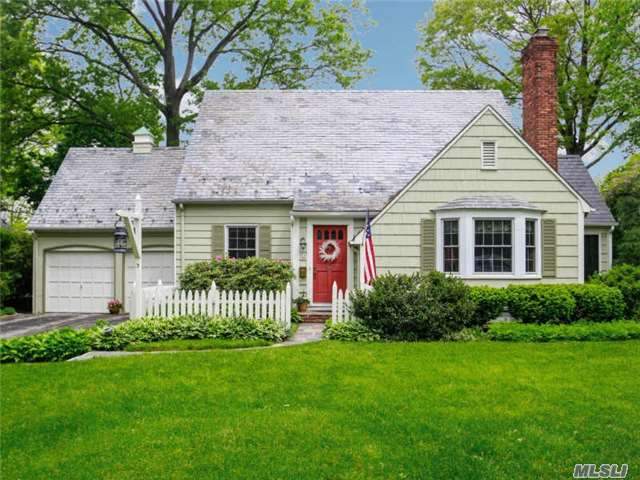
181	238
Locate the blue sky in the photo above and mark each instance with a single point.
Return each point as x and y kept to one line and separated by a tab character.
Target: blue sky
394	41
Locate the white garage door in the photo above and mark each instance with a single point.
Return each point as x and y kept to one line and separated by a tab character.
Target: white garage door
78	281
155	266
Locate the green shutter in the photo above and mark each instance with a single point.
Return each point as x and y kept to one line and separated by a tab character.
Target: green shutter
217	241
548	248
264	237
427	245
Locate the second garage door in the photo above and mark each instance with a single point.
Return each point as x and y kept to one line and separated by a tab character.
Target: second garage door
156	266
79	281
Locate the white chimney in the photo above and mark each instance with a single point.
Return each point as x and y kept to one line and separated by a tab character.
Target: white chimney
142	141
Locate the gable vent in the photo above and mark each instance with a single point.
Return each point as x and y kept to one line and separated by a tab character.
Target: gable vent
489	155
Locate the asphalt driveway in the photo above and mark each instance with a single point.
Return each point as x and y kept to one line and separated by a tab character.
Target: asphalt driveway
25	324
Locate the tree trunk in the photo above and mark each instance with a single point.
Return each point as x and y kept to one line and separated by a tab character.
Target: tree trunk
172	116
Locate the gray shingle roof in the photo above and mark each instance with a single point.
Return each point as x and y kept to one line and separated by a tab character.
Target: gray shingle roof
502	202
573	170
323	150
92	183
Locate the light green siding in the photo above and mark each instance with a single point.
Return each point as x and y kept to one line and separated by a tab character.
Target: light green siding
458	174
45	241
196	245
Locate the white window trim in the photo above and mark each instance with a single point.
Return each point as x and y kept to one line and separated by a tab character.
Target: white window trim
466	242
241	225
482	142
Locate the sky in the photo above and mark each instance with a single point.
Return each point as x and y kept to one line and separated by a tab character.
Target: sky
393	42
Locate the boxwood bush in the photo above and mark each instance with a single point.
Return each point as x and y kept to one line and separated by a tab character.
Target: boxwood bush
413	307
625	278
490	302
597	303
541	303
67	343
243	274
579	331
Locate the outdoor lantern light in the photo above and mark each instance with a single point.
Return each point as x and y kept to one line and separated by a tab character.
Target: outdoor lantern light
119	237
303	245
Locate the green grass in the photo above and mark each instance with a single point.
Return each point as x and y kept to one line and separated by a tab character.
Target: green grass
203	344
327	410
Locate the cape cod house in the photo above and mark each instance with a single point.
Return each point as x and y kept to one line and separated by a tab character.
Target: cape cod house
291	175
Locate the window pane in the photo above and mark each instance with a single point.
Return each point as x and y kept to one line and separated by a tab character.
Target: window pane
241	242
451	263
493	252
530	246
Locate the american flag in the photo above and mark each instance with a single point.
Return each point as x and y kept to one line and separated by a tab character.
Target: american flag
369	254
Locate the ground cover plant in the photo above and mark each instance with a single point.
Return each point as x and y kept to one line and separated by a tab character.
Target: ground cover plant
67	343
493	410
579	331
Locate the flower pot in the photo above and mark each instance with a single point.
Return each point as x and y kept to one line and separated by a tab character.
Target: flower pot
114	310
302	307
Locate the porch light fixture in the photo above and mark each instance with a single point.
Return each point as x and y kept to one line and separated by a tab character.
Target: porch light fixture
119	237
303	245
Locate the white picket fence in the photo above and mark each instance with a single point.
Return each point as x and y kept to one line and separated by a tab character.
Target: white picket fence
340	305
167	301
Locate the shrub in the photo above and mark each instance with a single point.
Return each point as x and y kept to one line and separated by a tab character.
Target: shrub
152	329
540	303
47	347
412	307
625	278
15	266
490	303
597	303
353	331
230	274
7	311
580	331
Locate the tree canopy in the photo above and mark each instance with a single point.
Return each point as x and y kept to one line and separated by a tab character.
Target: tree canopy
166	49
82	73
621	190
477	44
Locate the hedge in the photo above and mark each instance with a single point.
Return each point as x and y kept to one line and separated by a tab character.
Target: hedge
67	343
580	331
252	273
625	278
490	302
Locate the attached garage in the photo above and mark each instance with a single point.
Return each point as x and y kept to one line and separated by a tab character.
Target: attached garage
78	281
156	265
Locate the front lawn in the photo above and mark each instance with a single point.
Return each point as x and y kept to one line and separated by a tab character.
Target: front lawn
327	410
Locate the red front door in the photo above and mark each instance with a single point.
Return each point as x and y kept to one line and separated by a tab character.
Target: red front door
329	260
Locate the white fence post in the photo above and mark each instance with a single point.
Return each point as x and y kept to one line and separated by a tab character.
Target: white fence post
287	303
334	304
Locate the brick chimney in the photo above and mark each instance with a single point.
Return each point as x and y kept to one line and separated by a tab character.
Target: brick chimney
539	94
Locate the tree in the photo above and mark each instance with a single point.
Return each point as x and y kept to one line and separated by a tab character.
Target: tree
166	49
48	107
15	266
621	190
477	44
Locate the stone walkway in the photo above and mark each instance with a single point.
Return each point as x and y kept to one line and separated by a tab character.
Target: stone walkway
306	333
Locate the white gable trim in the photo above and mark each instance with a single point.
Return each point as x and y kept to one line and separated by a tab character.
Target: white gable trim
585	206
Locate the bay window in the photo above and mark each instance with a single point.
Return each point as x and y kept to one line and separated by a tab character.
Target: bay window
489	243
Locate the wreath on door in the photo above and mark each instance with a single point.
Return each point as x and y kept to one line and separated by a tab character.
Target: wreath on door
329	251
